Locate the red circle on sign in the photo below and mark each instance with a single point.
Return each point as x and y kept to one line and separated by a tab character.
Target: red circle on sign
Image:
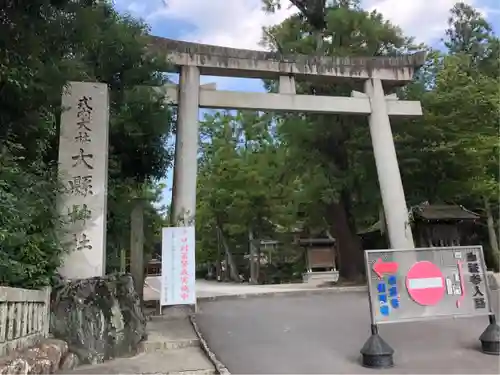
425	283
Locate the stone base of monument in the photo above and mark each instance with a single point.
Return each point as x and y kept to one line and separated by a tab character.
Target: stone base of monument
318	278
376	353
490	338
100	318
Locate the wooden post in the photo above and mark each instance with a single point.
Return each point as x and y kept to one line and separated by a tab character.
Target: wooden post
218	264
492	234
257	264
254	273
123	261
137	246
227	268
46	308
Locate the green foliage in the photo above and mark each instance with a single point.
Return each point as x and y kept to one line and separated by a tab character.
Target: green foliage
470	34
29	247
243	182
122	197
451	154
46	44
332	154
448	155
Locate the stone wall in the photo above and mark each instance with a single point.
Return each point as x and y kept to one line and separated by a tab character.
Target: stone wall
47	357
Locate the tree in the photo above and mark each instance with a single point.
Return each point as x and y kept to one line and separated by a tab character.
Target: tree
333	153
242	184
314	11
460	127
47	43
470	34
451	154
470	37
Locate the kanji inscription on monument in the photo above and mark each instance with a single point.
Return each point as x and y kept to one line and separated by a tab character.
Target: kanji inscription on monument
83	167
420	284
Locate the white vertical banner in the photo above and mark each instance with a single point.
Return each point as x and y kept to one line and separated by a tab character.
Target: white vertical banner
178	278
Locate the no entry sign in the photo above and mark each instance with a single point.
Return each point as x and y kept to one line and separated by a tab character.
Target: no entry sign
421	284
425	283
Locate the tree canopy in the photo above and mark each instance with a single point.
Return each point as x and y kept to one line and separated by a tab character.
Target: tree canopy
450	155
45	45
258	173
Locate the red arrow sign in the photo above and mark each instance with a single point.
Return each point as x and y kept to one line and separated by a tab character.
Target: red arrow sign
380	267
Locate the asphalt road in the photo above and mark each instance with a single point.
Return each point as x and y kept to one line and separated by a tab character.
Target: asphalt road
320	334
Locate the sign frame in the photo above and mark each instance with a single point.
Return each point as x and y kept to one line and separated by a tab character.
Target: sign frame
486	312
173	239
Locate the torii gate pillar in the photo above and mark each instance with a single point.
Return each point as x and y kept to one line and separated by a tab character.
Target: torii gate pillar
186	148
389	176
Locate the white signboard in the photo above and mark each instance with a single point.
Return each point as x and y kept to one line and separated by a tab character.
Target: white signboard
427	283
83	167
178	286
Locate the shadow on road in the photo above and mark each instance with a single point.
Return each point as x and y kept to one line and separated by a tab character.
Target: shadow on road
323	334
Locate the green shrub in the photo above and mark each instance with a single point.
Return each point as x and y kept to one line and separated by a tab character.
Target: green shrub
30	252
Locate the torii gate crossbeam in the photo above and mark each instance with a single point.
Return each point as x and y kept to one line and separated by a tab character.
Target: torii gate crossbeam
374	75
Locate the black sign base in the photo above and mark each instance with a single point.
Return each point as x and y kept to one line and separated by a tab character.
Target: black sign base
376	353
490	338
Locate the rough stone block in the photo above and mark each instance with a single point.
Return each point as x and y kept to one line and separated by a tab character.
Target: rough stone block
38	361
43	358
54	350
14	367
101	317
69	362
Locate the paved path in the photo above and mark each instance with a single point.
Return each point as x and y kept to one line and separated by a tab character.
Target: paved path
319	334
172	348
207	289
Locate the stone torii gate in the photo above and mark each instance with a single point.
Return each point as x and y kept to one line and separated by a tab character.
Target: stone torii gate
84	127
376	75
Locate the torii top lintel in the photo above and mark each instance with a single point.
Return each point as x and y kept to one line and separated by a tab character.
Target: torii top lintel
233	62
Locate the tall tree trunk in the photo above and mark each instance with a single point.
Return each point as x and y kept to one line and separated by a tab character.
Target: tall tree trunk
492	235
348	244
351	267
230	260
334	251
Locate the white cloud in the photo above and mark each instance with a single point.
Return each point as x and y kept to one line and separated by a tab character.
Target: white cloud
229	23
424	19
238	23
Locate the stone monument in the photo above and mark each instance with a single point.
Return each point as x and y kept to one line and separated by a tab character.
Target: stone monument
83	167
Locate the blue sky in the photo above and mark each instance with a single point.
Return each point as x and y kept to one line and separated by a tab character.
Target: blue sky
238	23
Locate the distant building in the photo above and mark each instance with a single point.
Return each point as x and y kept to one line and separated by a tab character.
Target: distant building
432	226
